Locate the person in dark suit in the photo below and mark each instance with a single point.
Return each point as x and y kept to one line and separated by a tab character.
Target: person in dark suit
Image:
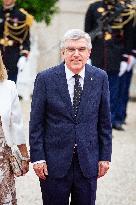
14	37
110	48
70	127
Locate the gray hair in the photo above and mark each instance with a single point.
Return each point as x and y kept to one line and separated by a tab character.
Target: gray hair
76	34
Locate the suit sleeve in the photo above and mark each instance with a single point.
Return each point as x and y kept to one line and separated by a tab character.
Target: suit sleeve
28	23
26	43
90	20
104	124
128	37
37	120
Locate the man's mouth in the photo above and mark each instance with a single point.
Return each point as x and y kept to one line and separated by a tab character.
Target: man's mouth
76	61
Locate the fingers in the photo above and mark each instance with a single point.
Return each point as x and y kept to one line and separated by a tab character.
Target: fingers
45	169
103	168
25	167
41	170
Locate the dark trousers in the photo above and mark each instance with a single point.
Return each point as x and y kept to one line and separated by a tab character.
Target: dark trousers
119	96
114	92
57	191
12	75
124	86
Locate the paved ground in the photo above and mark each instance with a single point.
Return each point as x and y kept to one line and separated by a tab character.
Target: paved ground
118	187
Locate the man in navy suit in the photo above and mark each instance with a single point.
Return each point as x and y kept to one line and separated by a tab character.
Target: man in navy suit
70	127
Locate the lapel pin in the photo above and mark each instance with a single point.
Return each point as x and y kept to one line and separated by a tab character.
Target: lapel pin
91	78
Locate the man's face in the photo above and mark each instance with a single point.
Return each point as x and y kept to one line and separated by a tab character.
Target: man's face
8	2
75	54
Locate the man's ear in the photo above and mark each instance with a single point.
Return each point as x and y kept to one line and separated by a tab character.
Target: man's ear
62	53
89	53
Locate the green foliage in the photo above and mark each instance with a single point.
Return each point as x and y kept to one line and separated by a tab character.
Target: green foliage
40	9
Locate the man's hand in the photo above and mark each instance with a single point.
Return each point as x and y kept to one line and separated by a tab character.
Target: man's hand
103	167
131	62
41	170
21	63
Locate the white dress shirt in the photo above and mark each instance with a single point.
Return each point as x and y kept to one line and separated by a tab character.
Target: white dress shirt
71	80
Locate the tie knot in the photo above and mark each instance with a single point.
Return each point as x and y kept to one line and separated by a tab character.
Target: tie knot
76	76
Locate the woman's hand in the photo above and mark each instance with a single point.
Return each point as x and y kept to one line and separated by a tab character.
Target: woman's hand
25	166
25	158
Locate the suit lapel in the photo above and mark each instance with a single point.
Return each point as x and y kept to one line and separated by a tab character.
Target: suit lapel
63	87
88	88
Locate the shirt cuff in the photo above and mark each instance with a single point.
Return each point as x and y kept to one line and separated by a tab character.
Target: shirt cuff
40	161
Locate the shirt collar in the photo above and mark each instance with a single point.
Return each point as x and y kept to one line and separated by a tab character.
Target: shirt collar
70	74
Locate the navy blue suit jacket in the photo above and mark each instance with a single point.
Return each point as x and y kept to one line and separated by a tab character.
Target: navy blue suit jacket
53	130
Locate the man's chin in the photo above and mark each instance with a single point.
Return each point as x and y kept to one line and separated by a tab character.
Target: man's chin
77	65
76	68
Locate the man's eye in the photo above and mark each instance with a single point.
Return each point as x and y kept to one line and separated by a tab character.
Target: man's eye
81	49
71	49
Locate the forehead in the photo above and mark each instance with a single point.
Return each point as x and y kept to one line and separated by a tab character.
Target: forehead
76	42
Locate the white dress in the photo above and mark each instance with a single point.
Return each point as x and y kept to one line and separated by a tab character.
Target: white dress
7	181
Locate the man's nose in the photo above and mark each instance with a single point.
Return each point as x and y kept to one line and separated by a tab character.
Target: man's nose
76	52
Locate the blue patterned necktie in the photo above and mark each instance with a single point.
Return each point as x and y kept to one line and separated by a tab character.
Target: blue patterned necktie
77	94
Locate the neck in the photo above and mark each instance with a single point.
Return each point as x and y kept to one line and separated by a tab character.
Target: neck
8	7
